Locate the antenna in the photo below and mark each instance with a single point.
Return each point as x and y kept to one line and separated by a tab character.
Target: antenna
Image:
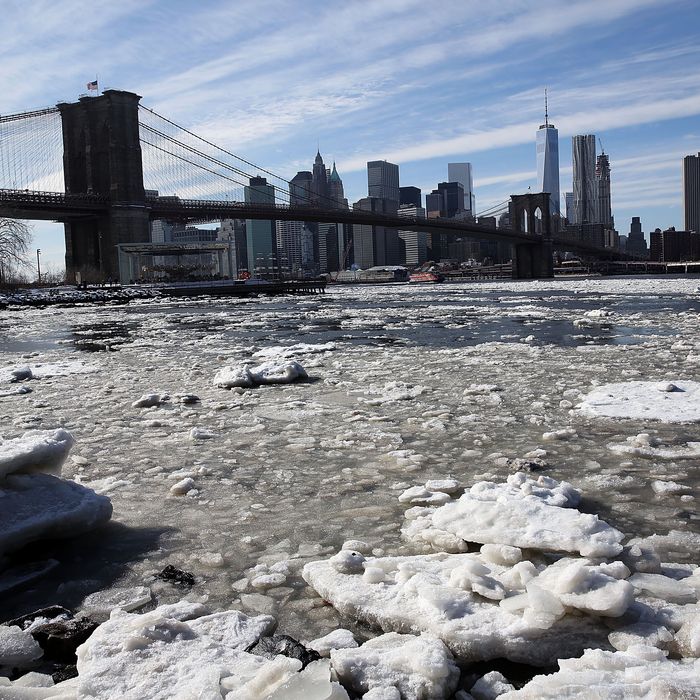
546	115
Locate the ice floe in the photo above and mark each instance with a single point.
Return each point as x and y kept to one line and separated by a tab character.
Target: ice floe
676	402
273	372
38	505
639	672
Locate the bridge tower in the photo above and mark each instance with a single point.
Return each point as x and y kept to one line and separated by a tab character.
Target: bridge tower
102	155
530	213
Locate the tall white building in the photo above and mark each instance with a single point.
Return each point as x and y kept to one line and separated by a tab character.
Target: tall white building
462	173
585	186
547	143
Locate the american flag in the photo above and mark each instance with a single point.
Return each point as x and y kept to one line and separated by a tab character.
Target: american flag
92	85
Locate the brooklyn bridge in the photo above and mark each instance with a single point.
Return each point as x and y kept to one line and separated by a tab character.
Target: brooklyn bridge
106	166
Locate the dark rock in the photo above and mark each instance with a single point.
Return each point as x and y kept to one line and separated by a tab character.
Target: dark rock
49	613
527	465
64	673
59	640
282	644
177	576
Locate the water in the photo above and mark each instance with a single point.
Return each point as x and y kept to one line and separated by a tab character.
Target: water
295	470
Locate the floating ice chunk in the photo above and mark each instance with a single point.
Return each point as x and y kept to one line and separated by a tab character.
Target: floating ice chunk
687	638
187	398
673	546
128	599
358	546
268	581
418	595
644	445
598	313
420	495
449	486
667	386
201	434
182	487
589	588
150	400
490	686
473	389
663	587
230	377
17	647
639	556
661	488
501	554
393	391
641	633
643	401
346	561
639	672
312	683
19	374
35	452
281	351
278	372
561	434
43	506
421	668
522	513
166	653
337	639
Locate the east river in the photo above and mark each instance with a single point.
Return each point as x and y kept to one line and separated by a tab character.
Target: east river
405	384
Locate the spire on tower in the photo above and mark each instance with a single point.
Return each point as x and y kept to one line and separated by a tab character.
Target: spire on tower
546	114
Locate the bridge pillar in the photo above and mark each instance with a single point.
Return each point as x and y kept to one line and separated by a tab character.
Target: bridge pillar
102	155
530	213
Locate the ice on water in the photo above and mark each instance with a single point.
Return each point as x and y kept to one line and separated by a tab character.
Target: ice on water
420	386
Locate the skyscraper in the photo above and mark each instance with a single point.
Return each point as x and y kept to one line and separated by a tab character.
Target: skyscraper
602	178
547	144
569	197
336	192
691	193
410	195
260	235
383	180
583	158
462	173
319	185
636	244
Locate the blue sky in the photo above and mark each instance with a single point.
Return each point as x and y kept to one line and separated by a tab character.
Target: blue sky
416	83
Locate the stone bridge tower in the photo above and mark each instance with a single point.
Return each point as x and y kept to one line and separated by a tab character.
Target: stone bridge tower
529	213
102	155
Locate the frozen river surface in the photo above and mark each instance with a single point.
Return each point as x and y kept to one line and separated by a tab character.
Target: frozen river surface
406	384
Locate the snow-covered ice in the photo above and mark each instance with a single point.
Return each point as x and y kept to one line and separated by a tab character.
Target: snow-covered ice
35	452
645	400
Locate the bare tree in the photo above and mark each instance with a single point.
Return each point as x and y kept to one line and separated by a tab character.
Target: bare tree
15	243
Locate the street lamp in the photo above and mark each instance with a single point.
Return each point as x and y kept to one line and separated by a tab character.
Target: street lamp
38	265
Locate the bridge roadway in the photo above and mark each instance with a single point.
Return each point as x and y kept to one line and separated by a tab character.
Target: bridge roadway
59	206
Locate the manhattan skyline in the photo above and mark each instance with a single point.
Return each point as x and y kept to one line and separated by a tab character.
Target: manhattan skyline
395	80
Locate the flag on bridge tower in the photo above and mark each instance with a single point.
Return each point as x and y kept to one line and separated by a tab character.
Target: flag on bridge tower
92	85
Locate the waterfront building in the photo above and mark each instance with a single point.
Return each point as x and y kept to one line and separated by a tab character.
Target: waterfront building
691	193
415	242
584	162
383	181
233	232
410	195
636	243
376	245
603	203
674	246
547	148
261	235
462	173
